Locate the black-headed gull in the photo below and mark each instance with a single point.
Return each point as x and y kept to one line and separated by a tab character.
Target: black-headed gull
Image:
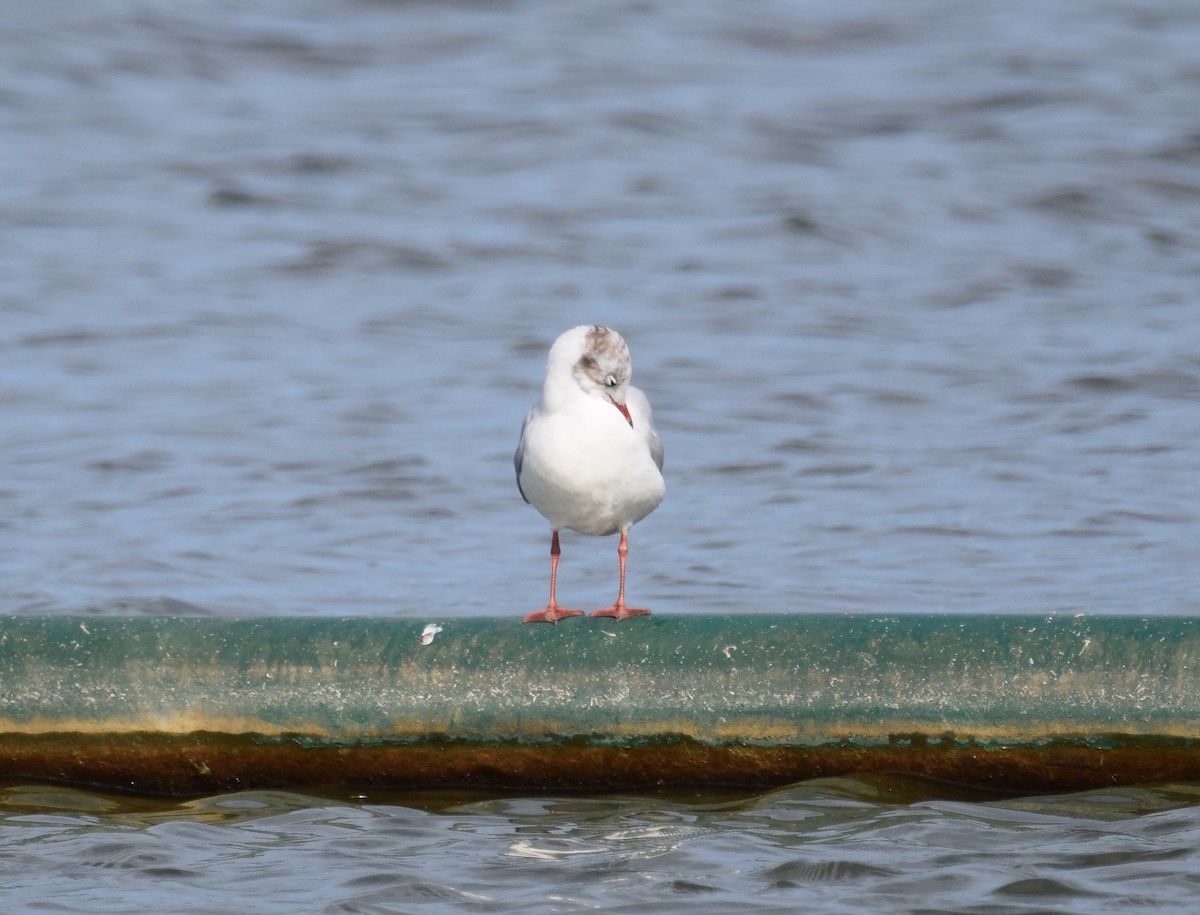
589	458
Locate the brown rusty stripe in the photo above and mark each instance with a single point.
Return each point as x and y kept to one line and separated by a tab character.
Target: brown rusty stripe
201	763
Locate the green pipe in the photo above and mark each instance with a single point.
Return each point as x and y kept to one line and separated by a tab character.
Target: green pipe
188	705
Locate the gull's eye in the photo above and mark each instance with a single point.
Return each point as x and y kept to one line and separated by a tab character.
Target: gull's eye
610	381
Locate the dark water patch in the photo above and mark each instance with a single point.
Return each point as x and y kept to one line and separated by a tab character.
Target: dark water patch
736	293
1042	888
382	494
374	881
68	338
234	322
1046	276
418	891
850	33
801	223
148	606
1129	859
1156	448
1171	383
876	121
536	347
331	256
782	140
717	545
1166	240
1120	516
127	854
804	872
802	446
894	398
1171	189
973	293
236	197
287	467
1184	148
139	462
1078	203
1014	100
1082	533
376	413
837	470
398	468
690	887
1161	383
408	322
747	469
800	399
1103	384
316	163
650	123
201	44
939	530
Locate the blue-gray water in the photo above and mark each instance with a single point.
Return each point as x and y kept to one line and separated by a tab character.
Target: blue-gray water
828	846
913	287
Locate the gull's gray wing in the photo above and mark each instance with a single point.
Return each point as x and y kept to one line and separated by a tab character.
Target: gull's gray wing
639	408
519	456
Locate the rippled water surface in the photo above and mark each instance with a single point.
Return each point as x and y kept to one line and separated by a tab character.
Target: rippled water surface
831	846
913	287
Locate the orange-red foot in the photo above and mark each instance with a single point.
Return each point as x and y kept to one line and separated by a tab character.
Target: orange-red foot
551	615
620	612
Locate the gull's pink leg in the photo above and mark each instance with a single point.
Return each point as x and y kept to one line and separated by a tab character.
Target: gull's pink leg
618	610
553	612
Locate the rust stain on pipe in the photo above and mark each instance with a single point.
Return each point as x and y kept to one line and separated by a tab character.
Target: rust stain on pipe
201	763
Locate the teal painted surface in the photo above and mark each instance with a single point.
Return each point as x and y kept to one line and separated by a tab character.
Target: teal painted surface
769	679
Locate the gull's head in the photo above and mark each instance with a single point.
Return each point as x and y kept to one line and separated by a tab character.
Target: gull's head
596	358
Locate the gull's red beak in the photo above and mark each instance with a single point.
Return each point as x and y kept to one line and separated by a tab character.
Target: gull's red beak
624	411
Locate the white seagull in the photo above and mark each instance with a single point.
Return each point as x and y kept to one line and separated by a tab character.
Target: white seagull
589	458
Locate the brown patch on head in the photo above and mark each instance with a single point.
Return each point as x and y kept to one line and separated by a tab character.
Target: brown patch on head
588	365
604	363
607	344
600	339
